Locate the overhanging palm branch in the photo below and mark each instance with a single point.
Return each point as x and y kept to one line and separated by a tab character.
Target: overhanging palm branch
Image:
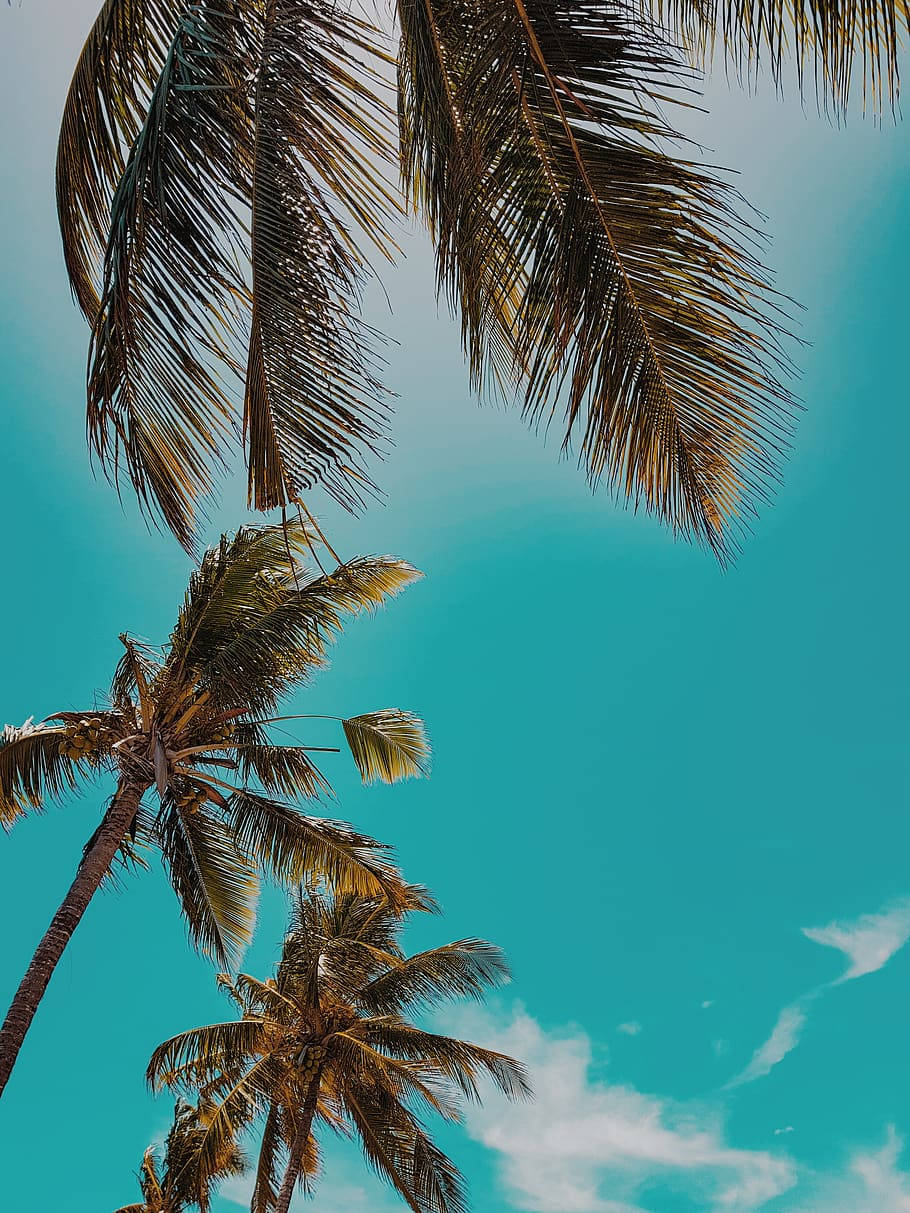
234	254
311	1051
187	735
627	287
829	47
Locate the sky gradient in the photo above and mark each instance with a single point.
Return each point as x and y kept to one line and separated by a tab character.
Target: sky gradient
676	796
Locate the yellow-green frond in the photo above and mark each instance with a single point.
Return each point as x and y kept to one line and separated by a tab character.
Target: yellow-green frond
388	745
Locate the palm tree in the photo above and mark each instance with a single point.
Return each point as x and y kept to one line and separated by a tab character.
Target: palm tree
190	723
225	180
330	1041
180	1185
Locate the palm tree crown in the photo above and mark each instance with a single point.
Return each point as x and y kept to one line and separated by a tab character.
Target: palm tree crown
186	734
178	1185
330	1041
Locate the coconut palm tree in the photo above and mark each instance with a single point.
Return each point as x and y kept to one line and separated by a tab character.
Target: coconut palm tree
186	735
180	1185
330	1042
225	181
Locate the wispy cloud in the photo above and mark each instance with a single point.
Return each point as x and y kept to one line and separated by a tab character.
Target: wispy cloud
784	1037
632	1028
586	1145
868	942
872	1182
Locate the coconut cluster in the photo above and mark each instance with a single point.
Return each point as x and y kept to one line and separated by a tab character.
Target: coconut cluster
223	735
310	1059
193	798
82	738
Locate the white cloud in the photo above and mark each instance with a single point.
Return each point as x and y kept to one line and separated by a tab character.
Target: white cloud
872	1183
868	942
709	1002
781	1132
632	1028
784	1037
588	1146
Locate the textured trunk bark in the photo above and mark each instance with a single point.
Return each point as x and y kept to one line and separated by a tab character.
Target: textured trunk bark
298	1150
89	875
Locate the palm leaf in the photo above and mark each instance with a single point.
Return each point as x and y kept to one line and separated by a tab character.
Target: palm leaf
32	770
465	969
461	1061
829	46
313	398
298	848
396	1144
169	325
627	287
388	745
104	111
214	881
255	623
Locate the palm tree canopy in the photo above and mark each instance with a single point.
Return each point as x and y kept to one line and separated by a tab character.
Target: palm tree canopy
180	1184
190	722
223	185
336	1020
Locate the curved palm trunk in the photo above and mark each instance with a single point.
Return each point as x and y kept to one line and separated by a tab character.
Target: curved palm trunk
298	1150
89	875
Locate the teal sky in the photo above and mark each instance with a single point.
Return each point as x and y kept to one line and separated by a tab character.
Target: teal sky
650	777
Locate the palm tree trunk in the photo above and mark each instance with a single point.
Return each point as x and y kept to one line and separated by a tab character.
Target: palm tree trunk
298	1149
89	875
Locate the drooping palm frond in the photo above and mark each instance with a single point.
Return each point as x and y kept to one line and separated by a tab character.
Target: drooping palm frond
104	112
214	880
463	1062
397	1146
313	397
229	161
295	847
32	770
830	48
283	770
169	326
627	287
388	745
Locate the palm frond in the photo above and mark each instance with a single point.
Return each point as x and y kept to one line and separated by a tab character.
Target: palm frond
627	287
169	326
198	1054
104	111
388	745
396	1144
283	770
298	848
313	397
460	1060
32	770
255	623
268	1179
832	48
465	969
213	879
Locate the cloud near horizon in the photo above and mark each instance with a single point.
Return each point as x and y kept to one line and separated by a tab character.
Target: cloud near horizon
586	1145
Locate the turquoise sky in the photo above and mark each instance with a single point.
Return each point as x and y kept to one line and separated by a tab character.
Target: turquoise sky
655	784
